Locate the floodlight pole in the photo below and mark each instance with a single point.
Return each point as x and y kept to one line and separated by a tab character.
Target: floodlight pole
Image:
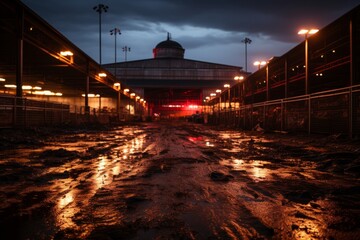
126	49
246	41
114	32
100	8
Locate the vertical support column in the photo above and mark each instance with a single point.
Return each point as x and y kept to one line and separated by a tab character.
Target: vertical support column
282	116
264	123
20	52
306	65
351	79
283	106
219	112
307	81
20	110
87	108
286	77
267	83
119	102
309	114
252	104
243	109
228	114
87	87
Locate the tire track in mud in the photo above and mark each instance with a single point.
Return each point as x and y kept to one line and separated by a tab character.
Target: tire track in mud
174	196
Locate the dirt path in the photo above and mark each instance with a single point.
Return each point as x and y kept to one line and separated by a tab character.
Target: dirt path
179	181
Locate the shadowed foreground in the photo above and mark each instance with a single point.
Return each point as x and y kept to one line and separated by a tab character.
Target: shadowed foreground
177	181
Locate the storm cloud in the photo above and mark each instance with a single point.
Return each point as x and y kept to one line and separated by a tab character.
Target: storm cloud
209	30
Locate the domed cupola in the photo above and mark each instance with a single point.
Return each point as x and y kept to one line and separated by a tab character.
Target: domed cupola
168	49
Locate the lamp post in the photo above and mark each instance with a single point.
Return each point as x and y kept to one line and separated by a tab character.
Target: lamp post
126	49
132	95
306	32
228	87
240	79
115	32
126	93
219	91
117	86
246	41
100	8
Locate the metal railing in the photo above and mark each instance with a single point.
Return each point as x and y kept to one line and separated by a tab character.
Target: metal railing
23	112
331	112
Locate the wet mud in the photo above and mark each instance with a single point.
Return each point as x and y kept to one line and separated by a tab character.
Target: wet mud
177	180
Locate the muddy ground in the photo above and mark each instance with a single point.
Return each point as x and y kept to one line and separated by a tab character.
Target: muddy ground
177	180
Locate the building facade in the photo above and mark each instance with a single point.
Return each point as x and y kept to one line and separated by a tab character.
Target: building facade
172	85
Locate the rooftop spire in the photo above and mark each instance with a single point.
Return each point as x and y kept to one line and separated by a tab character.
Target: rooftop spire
168	36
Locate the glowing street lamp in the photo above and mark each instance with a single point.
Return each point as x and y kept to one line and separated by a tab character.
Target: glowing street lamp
102	74
68	54
117	85
239	78
259	64
307	32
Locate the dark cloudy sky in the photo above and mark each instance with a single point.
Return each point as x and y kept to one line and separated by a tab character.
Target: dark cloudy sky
209	30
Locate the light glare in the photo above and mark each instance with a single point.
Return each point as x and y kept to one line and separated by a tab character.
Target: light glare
66	53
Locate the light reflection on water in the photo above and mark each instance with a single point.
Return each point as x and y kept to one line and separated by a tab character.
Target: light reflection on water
209	144
195	139
104	169
258	171
201	141
308	229
116	169
134	146
65	200
255	168
66	209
